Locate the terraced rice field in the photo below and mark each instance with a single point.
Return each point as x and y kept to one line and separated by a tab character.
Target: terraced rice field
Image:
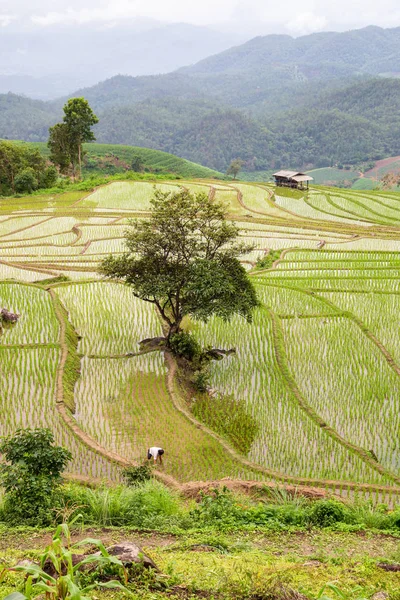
318	369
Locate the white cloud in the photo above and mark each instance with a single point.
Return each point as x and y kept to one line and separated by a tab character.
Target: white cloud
6	20
259	16
306	22
170	11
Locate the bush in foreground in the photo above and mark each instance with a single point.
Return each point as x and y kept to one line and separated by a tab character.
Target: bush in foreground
150	505
31	476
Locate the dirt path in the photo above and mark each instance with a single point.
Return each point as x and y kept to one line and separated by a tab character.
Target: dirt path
303	544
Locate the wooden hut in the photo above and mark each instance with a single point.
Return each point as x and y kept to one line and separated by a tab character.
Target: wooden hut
292	179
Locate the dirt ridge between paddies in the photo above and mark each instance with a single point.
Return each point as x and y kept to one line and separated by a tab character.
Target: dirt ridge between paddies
88	441
180	405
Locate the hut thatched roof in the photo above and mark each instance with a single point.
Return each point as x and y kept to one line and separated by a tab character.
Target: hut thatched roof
295	175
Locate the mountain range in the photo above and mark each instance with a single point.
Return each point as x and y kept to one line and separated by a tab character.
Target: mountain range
273	101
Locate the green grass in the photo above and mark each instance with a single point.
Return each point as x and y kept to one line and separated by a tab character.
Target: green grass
227	547
333	176
155	160
364	183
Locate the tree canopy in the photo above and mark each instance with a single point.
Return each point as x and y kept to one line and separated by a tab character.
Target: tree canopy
235	167
23	169
67	138
184	260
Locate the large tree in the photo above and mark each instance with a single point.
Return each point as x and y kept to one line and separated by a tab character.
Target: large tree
184	260
66	139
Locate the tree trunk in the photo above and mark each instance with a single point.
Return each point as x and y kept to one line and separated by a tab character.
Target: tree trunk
174	328
80	160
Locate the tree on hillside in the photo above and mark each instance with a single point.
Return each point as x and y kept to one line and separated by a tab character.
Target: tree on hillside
184	260
60	150
137	164
22	169
66	139
235	167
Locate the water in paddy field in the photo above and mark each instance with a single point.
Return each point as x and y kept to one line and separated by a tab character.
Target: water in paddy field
333	293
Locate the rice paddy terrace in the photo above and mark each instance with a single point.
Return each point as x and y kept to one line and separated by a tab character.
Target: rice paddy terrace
319	367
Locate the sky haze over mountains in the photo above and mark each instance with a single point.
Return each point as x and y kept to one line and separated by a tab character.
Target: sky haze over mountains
255	16
49	48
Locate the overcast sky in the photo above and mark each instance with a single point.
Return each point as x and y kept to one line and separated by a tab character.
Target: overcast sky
255	16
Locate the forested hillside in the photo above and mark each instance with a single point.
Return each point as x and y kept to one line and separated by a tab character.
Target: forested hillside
274	101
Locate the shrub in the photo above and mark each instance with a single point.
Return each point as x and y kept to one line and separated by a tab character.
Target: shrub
32	475
184	344
217	507
26	181
49	177
325	513
201	380
135	476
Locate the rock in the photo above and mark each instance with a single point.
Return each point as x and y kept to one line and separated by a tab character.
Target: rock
8	317
312	563
380	596
129	553
203	548
27	563
389	567
48	566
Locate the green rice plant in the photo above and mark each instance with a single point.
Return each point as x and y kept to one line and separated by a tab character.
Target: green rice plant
11	224
289	302
44	228
253	373
109	319
256	198
367	244
27	399
229	417
314	207
125	195
37	323
11	273
124	405
379	312
229	197
348	382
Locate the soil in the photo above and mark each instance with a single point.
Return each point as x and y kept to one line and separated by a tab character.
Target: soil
374	172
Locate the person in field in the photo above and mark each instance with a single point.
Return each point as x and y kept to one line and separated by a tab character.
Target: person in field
155	453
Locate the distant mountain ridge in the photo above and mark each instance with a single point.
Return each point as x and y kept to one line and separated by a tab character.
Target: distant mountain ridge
371	50
273	101
52	57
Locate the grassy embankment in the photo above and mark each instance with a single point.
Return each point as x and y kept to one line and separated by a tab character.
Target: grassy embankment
103	159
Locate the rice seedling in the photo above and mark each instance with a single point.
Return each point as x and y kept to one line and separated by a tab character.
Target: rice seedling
108	317
339	371
346	379
27	399
37	323
379	312
8	272
124	404
133	196
253	374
